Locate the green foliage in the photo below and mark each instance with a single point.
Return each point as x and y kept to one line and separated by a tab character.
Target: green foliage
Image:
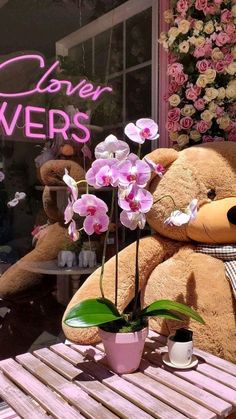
92	312
102	312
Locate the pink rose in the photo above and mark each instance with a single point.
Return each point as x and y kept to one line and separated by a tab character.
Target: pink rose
207	47
226	16
219	111
210	10
199	104
207	139
200	4
203	65
222	39
172	87
199	52
202	126
174	69
181	78
182	7
225	50
186	122
219	66
228	58
172	126
192	92
229	28
218	2
232	135
233	38
216	138
174	115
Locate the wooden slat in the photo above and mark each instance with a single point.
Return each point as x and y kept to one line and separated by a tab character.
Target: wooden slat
181	403
218	375
69	391
21	403
213	403
150	404
198	379
99	391
6	412
210	359
43	395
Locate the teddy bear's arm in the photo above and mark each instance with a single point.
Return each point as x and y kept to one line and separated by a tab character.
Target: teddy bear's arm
152	251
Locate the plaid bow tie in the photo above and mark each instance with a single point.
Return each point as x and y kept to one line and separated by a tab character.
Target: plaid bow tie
227	253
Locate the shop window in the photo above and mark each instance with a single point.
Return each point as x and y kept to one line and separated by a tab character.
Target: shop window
120	49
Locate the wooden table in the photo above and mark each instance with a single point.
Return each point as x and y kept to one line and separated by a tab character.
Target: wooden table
64	289
72	381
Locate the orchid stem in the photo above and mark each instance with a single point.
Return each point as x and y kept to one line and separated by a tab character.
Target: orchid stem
165	196
105	245
117	249
136	286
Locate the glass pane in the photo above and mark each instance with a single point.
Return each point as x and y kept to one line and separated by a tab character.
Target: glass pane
116	56
109	52
110	109
138	93
139	38
82	57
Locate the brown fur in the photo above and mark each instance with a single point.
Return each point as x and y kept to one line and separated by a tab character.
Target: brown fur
169	266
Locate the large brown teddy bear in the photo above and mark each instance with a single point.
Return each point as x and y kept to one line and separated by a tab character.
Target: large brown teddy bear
52	238
170	265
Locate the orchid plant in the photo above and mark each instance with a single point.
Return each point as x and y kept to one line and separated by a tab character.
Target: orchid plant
116	167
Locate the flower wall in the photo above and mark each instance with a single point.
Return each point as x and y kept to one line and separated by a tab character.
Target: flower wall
201	46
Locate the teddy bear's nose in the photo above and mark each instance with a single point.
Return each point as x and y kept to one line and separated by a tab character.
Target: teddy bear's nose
231	215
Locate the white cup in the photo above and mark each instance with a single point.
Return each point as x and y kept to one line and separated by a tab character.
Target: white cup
180	353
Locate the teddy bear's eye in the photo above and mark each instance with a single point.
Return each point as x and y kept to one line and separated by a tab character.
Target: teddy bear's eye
211	194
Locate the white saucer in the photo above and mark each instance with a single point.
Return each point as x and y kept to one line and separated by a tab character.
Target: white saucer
166	360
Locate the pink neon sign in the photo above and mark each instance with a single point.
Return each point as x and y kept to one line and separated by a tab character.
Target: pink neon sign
83	89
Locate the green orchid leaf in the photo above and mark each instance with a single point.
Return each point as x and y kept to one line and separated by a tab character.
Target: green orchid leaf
92	312
173	306
162	313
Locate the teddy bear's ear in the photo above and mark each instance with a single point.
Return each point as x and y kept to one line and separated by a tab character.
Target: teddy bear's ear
163	156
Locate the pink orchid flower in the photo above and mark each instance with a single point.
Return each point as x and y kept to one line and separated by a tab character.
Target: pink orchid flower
133	171
2	176
178	218
145	129
71	183
96	224
68	213
103	173
72	231
132	220
136	200
19	196
89	204
112	147
157	168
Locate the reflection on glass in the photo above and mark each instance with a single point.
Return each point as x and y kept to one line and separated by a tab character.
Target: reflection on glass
138	93
139	38
82	55
109	52
116	55
109	110
101	54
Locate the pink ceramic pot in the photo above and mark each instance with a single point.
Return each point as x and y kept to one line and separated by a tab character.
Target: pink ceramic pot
124	350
